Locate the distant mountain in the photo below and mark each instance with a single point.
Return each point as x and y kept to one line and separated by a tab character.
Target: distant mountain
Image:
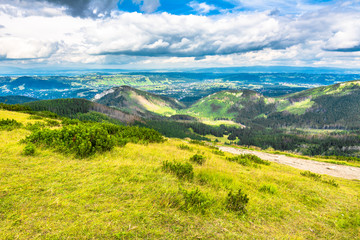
16	99
36	83
73	107
137	102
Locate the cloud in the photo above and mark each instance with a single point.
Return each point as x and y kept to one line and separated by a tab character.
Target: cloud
202	8
136	34
76	8
20	49
38	30
148	6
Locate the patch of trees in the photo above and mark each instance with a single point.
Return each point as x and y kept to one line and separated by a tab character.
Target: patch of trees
62	107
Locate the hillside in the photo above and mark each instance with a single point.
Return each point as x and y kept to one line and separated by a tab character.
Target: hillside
220	105
334	106
130	192
77	107
138	102
15	99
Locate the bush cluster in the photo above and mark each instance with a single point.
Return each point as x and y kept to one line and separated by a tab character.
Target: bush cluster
195	200
198	158
237	202
247	160
29	150
181	170
9	124
185	147
84	139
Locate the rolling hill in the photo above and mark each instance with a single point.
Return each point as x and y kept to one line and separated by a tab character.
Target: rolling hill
137	102
16	99
334	106
75	106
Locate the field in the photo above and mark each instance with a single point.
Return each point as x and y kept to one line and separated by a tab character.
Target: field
125	194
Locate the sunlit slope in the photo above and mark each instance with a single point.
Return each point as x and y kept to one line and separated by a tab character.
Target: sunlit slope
329	106
125	194
223	105
138	102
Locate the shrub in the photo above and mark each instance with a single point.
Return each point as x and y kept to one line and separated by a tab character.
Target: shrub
195	200
29	150
182	171
185	147
309	174
248	160
218	152
197	142
198	158
84	139
268	189
52	123
9	124
37	126
237	202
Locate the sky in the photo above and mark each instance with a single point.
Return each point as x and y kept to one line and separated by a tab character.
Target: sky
167	34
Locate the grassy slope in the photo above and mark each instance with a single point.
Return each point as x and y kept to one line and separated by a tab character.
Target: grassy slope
217	105
125	194
133	100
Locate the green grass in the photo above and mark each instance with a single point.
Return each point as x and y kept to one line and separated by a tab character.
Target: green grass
125	194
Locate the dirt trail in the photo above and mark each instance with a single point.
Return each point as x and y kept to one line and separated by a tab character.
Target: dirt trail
313	166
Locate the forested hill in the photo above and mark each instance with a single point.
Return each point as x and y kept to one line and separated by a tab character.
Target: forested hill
138	102
15	99
335	106
76	106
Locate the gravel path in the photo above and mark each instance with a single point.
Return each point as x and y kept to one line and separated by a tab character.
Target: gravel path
313	166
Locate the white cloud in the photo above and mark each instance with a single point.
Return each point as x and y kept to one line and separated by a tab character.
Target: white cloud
18	48
202	8
245	38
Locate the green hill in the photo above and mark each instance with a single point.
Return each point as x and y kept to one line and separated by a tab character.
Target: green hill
220	105
79	107
138	102
137	191
16	99
335	106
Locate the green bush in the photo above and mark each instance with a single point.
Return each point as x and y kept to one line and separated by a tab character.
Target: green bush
309	174
9	124
185	147
52	123
84	139
182	171
237	202
29	150
248	160
198	158
37	126
195	200
218	152
268	188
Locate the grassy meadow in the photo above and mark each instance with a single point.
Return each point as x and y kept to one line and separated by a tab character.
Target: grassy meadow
126	194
